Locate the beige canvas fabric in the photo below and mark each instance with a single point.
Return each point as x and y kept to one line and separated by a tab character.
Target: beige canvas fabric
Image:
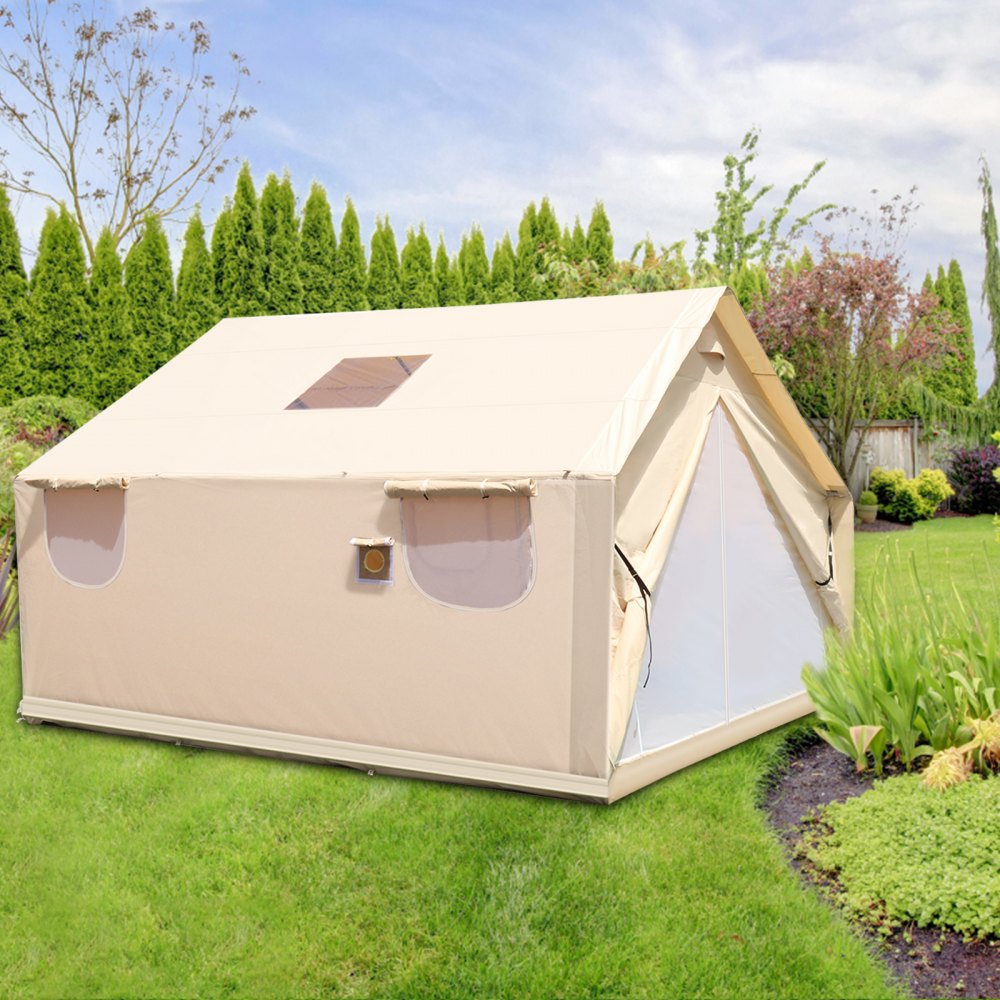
237	616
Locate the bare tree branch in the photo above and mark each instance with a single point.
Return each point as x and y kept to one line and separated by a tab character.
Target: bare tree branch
123	114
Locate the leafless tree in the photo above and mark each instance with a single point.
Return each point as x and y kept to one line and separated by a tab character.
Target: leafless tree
122	117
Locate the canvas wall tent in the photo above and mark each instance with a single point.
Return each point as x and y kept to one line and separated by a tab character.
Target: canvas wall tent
391	540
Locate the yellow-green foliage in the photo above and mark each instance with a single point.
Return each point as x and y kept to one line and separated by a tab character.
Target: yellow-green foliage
14	456
908	500
947	768
901	854
954	765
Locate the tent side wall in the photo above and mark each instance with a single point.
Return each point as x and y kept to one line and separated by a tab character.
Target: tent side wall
237	619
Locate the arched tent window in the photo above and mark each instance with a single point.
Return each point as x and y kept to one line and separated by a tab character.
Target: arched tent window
85	534
469	551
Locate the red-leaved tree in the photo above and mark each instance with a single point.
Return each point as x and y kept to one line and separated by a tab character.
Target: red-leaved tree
855	335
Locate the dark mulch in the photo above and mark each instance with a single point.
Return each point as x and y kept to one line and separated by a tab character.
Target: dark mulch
881	524
817	774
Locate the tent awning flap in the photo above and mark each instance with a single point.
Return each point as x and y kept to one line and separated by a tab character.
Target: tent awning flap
117	482
400	489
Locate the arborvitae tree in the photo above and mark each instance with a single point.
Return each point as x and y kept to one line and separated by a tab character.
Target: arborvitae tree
112	354
59	325
547	241
149	288
220	239
475	266
456	281
384	288
502	272
197	308
575	247
417	271
527	252
600	242
964	343
244	292
351	272
942	288
318	254
281	247
546	226
952	375
750	285
447	277
13	308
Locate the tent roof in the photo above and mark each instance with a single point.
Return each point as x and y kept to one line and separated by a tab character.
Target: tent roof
525	388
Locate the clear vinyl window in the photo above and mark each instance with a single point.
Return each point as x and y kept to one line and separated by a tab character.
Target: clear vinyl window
468	552
358	382
85	534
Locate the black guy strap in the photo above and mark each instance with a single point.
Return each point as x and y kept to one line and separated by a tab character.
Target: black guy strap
646	598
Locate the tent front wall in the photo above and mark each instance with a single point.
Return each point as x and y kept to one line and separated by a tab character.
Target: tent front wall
236	619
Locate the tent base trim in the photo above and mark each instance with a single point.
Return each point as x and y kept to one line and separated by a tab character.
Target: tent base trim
636	773
378	760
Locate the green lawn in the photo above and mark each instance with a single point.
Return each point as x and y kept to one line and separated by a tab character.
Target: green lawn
930	559
130	868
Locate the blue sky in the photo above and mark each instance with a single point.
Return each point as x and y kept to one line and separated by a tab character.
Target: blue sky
454	113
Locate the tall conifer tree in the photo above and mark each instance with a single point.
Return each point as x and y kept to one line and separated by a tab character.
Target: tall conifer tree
243	266
318	254
527	252
384	289
197	308
475	266
220	239
942	288
113	353
447	277
547	240
59	324
417	271
351	274
953	374
502	272
13	308
964	343
600	243
576	245
282	277
149	288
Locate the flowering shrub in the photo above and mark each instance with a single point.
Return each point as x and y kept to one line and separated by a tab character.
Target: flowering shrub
970	471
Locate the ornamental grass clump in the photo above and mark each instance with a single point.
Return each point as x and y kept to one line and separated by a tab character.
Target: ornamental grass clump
908	681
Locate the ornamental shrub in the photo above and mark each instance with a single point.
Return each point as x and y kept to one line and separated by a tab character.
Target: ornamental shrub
970	471
908	500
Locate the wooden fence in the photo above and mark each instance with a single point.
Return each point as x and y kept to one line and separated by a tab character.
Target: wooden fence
893	444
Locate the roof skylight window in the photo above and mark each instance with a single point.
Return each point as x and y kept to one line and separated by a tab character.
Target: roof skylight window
358	382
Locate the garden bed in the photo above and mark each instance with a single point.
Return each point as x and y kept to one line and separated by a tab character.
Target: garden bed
928	961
